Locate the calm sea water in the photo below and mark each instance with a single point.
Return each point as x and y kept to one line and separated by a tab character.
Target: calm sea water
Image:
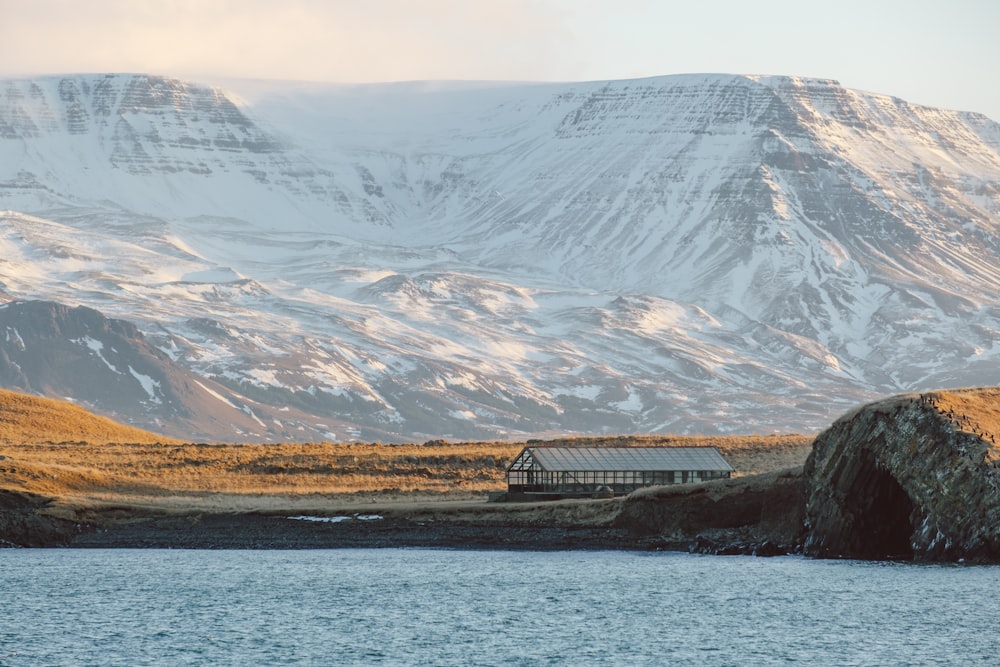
447	607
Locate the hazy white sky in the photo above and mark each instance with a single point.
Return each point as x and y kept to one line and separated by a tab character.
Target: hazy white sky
932	52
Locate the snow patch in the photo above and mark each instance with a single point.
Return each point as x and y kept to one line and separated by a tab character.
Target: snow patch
97	347
150	385
338	519
217	395
218	275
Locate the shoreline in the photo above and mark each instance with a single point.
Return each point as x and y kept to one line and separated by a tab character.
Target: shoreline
911	477
257	531
716	518
343	523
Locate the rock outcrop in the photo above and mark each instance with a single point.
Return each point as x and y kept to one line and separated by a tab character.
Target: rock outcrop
910	477
22	524
758	514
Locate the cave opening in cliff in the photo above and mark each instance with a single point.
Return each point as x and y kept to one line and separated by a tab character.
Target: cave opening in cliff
882	528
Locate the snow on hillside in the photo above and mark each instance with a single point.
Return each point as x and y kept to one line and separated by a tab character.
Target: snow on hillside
703	253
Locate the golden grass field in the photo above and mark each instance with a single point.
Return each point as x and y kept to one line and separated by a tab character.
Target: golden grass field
55	449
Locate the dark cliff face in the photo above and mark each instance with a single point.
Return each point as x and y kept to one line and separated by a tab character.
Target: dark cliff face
758	514
22	524
911	477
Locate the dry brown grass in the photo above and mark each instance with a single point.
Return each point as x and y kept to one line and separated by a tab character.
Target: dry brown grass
61	451
312	468
110	471
31	419
975	411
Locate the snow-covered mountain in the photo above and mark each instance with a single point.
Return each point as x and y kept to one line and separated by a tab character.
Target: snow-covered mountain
685	254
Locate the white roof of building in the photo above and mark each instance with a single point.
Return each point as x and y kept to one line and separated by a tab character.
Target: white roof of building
628	458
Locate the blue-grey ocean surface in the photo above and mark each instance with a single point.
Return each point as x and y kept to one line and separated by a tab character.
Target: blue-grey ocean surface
452	607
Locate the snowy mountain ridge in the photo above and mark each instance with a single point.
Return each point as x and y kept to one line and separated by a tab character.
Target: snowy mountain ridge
697	253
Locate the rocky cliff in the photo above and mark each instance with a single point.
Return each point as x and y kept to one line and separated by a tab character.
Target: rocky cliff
914	476
759	514
23	524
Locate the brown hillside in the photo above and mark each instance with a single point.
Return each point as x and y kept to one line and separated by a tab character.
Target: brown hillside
28	419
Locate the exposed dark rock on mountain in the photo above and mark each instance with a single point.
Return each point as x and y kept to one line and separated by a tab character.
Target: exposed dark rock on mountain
109	366
49	348
915	476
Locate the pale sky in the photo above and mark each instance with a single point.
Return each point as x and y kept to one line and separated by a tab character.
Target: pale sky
932	52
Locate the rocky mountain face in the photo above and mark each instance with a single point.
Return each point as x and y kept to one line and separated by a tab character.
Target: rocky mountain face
115	138
687	254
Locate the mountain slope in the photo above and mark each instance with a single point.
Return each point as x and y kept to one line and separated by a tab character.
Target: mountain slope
52	350
687	254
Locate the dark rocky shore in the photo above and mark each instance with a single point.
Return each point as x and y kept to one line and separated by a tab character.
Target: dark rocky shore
24	523
256	531
704	523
